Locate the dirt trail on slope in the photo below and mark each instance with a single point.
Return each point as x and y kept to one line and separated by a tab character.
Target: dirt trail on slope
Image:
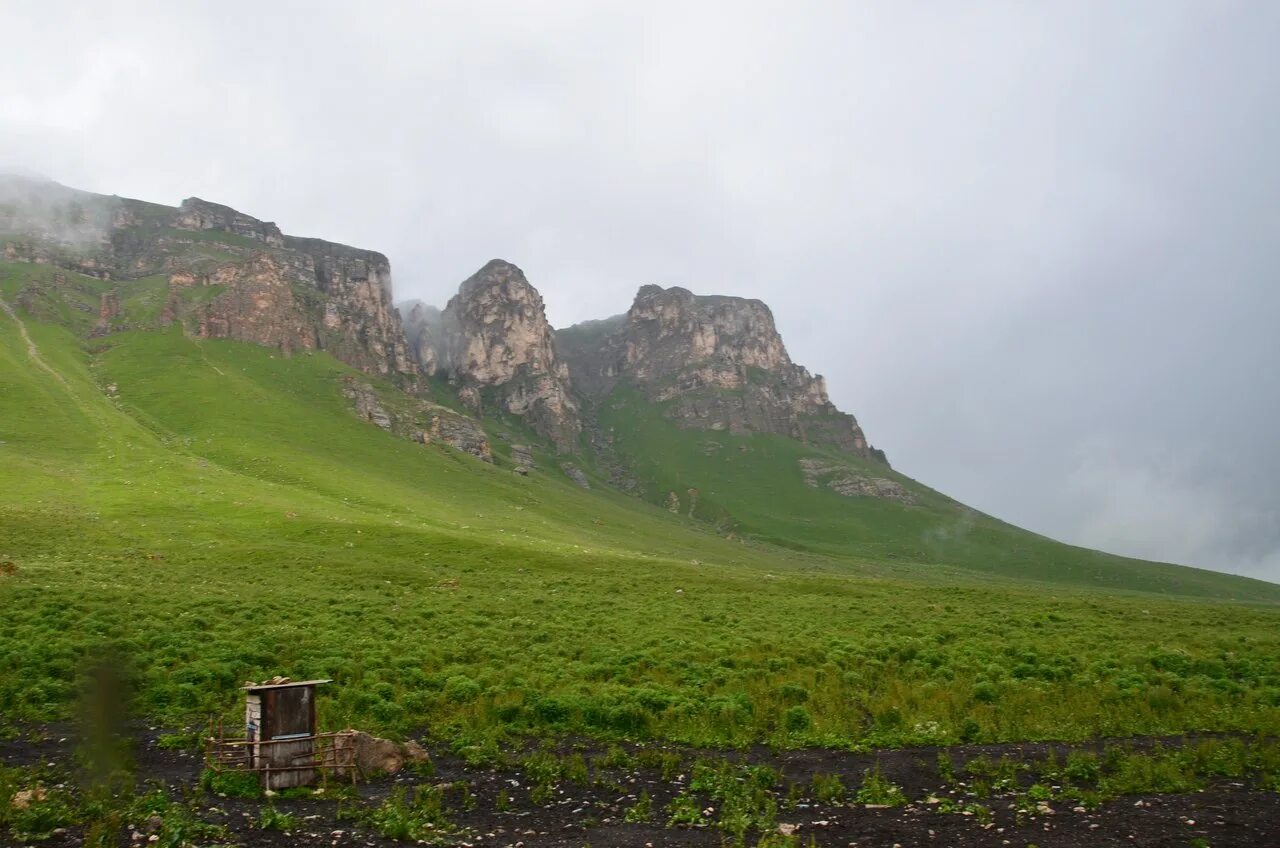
32	350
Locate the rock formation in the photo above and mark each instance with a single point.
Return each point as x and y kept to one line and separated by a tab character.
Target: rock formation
494	343
197	214
420	420
271	289
845	481
715	363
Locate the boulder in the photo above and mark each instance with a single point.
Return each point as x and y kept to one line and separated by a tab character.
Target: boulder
373	755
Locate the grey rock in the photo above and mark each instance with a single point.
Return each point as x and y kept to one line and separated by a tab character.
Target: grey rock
575	474
494	336
850	483
420	420
715	363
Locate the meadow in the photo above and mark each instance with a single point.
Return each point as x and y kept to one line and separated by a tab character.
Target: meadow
211	512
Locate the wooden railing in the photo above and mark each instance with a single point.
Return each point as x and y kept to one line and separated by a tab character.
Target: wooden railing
326	755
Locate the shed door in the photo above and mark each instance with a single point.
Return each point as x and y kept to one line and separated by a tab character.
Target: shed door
290	712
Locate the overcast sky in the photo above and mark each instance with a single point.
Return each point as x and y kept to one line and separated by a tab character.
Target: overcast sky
1033	246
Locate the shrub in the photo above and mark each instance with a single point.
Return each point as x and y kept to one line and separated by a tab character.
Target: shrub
269	818
401	819
640	811
232	784
38	820
461	689
827	788
1082	767
684	811
878	790
797	719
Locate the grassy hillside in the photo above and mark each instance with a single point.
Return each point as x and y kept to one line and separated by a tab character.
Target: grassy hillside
211	512
755	486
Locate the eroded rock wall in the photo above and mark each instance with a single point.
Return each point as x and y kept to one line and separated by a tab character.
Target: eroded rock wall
715	363
272	289
493	342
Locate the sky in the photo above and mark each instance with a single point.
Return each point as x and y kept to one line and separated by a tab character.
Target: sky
1034	247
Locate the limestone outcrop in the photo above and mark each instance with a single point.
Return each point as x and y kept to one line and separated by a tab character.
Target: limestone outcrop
845	481
197	214
417	419
493	342
267	288
716	363
713	363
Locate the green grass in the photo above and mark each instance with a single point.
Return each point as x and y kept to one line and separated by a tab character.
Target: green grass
741	482
227	517
216	237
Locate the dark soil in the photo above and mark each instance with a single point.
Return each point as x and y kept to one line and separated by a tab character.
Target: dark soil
1224	814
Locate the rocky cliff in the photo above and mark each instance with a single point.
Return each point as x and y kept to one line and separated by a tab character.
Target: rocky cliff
493	342
229	275
714	363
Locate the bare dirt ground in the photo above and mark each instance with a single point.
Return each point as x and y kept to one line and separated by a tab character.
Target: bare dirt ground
1223	815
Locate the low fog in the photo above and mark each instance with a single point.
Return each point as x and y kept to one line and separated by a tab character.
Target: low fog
1033	247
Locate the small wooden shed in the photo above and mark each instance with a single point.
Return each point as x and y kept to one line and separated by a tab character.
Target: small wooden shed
280	729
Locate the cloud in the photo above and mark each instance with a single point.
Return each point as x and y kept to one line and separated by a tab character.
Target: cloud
1145	509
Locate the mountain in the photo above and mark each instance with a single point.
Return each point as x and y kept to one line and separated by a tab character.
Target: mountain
217	272
493	342
238	345
714	363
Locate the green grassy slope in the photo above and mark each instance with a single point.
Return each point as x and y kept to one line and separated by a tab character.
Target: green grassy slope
754	485
222	515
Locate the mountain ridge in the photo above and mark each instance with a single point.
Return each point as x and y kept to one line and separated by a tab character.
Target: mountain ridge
689	402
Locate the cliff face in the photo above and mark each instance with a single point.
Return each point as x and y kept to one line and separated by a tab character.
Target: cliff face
716	363
493	341
197	214
267	288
